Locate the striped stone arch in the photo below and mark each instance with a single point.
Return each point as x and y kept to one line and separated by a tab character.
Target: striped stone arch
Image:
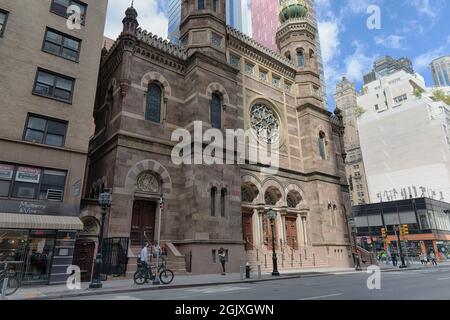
294	187
152	166
155	76
251	179
217	87
271	182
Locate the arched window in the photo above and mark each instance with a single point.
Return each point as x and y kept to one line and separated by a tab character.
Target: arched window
300	58
311	53
216	111
153	109
223	195
322	145
288	55
215	5
201	4
213	201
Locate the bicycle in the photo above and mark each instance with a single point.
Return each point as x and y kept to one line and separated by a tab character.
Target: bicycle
143	274
13	282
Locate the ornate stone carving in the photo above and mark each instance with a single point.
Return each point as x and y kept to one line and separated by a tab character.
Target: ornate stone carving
147	182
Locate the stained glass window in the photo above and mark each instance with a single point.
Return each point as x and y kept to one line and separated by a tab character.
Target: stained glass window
153	110
300	58
216	111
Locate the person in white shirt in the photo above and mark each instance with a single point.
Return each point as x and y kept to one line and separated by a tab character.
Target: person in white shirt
143	256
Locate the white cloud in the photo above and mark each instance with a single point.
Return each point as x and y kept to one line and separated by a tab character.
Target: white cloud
423	61
392	42
149	17
358	63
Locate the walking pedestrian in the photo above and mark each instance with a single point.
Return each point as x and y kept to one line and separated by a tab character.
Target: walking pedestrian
143	256
433	258
222	259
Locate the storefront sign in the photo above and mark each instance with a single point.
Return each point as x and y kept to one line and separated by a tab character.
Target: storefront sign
31	175
6	171
29	207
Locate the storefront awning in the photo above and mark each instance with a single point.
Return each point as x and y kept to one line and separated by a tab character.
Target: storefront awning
32	221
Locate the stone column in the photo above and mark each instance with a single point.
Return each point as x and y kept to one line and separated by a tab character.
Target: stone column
261	225
283	225
304	231
299	224
255	227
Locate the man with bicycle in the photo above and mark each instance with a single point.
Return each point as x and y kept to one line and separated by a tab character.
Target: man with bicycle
143	256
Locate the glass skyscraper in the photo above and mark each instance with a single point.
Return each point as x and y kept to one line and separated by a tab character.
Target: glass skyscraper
440	68
237	17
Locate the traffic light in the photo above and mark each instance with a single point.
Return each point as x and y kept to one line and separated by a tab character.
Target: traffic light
404	230
383	233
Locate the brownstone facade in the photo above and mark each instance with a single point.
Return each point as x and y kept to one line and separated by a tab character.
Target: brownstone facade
212	206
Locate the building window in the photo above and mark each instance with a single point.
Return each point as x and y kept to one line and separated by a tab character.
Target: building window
235	61
213	201
322	144
263	75
216	111
401	98
287	87
300	58
215	5
216	40
201	4
59	7
45	131
249	68
3	18
31	183
52	85
276	81
376	107
223	195
61	45
153	109
288	55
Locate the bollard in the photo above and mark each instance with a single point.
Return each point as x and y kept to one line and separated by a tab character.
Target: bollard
259	271
242	272
4	287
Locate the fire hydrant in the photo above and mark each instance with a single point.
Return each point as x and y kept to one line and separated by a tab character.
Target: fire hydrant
247	270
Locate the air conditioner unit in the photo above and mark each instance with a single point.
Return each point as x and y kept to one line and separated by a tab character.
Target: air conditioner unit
55	195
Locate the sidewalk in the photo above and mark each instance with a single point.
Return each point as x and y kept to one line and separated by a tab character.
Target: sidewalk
121	286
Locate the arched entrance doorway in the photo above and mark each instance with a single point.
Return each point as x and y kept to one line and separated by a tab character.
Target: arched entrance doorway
143	222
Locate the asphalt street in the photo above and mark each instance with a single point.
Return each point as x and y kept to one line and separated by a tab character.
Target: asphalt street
428	284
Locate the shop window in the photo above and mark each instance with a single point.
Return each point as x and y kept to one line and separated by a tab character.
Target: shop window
45	131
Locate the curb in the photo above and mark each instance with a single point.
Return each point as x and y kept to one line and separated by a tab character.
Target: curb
86	293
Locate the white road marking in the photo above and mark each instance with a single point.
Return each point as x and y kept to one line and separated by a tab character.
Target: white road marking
216	290
448	278
320	297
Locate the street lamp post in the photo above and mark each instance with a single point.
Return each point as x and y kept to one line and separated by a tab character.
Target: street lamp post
355	248
272	216
104	200
158	239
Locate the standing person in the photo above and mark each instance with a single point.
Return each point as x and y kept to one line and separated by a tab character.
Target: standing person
433	258
394	259
222	258
143	256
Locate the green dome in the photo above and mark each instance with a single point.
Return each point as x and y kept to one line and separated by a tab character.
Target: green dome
293	9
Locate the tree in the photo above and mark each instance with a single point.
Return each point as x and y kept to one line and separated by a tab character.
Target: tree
359	111
439	95
418	92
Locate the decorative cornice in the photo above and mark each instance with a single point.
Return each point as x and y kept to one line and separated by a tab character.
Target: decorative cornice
161	44
285	66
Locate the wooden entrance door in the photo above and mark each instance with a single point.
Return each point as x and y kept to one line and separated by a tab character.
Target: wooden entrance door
291	232
83	257
247	230
143	220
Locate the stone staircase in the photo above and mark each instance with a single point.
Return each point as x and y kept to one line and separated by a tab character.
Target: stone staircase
288	259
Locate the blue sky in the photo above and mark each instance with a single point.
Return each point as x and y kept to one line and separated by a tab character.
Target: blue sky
419	29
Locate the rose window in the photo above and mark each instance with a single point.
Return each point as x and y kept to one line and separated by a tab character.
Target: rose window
265	122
